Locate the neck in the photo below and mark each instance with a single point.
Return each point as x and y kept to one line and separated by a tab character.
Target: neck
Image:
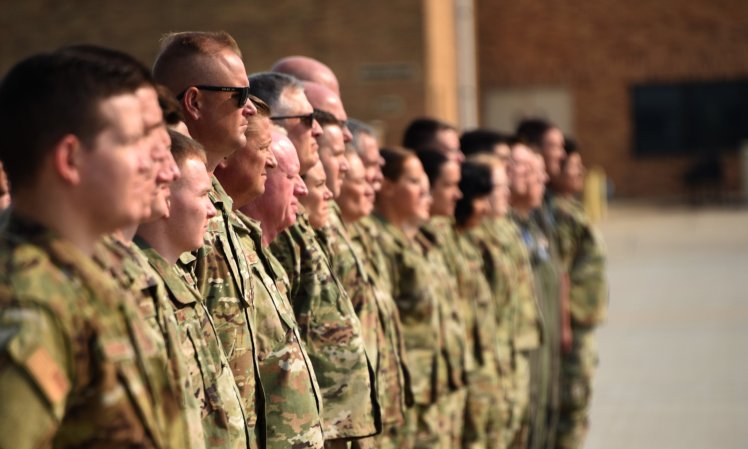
522	212
157	235
213	160
389	214
253	212
127	233
409	230
521	206
350	219
60	213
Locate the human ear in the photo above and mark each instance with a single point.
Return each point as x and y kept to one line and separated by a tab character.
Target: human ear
191	103
68	159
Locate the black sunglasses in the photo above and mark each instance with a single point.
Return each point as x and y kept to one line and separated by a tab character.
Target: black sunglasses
306	119
241	98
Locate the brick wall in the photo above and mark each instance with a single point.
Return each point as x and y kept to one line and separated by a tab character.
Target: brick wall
598	49
375	47
595	49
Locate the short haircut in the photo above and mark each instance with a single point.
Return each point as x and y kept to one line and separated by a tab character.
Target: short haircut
104	55
325	118
394	161
570	145
268	86
50	95
532	130
183	148
475	183
422	132
481	141
179	50
170	107
432	161
357	128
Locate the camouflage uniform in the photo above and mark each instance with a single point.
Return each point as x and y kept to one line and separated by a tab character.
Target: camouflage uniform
526	325
582	254
129	267
78	366
332	334
292	398
545	366
483	415
502	279
456	311
411	279
212	383
222	274
380	324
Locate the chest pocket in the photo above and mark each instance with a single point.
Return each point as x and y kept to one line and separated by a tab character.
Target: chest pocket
123	391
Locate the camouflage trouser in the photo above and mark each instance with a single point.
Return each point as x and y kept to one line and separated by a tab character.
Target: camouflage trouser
519	427
453	409
484	426
432	426
577	371
393	436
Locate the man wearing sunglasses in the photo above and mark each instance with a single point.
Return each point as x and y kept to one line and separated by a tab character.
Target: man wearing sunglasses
206	73
290	109
320	302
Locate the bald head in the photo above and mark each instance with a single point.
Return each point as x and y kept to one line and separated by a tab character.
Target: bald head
284	152
308	69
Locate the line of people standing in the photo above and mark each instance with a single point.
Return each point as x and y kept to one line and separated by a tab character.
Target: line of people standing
200	258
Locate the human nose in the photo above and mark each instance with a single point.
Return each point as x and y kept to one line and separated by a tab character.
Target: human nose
316	129
327	195
173	167
145	163
249	108
347	136
343	167
299	189
211	211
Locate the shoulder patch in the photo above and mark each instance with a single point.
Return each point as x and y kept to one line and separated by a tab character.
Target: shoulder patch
48	375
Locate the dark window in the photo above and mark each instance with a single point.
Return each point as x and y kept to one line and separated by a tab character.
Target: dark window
690	118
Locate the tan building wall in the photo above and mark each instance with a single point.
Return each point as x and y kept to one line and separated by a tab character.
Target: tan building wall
595	51
377	48
573	61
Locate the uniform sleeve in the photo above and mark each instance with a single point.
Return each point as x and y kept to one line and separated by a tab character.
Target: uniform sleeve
34	377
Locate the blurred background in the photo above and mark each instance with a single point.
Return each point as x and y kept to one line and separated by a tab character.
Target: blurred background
655	93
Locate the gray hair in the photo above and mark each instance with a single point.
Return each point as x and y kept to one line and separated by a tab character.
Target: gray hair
357	128
268	86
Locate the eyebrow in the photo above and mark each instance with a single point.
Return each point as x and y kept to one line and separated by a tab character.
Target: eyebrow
161	123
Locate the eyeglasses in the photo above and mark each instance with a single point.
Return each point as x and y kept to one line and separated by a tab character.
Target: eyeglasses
305	119
241	98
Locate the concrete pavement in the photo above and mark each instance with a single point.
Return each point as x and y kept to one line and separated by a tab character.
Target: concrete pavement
674	352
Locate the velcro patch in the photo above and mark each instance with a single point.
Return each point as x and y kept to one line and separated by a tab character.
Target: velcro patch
48	374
